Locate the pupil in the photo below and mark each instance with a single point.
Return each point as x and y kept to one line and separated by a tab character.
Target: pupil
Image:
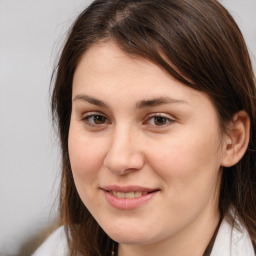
99	119
160	120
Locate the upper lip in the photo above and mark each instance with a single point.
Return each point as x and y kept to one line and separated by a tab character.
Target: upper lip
126	189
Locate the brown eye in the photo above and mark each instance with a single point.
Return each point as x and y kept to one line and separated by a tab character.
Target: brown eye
97	119
160	120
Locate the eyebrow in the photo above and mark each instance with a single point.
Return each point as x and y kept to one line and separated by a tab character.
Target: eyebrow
158	101
141	104
91	100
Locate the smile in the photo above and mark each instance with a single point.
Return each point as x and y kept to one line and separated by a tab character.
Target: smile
128	198
129	195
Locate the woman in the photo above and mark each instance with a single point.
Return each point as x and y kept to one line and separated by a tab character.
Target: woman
156	110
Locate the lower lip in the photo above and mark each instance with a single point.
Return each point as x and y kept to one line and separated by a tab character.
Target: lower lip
128	204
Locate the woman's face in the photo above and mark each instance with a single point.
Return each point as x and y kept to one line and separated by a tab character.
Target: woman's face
145	150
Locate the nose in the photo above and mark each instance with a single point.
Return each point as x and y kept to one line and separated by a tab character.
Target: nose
124	152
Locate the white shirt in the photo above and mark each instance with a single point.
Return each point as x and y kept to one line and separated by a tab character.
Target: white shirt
229	242
232	242
55	245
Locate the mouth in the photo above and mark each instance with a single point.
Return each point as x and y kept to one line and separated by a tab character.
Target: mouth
129	195
128	198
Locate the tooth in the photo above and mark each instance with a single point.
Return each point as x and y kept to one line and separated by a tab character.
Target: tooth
120	195
129	195
138	194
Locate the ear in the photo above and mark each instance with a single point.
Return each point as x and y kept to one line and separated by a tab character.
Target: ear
237	139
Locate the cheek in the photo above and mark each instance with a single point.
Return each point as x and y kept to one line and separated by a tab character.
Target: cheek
189	163
86	157
190	175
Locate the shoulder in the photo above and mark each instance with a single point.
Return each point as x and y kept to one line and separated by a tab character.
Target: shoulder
56	244
232	241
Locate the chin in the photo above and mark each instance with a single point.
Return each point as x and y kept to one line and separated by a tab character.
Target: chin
127	239
131	237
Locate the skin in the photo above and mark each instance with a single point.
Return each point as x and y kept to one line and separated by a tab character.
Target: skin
180	153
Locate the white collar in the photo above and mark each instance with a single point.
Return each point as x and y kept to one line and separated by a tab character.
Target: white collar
232	242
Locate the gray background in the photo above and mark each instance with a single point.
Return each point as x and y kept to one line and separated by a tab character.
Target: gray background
31	34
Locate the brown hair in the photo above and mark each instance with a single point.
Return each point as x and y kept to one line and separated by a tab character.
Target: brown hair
207	52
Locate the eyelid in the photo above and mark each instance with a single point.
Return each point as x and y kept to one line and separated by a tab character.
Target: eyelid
92	113
167	116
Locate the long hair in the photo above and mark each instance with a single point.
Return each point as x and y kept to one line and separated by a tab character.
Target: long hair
200	45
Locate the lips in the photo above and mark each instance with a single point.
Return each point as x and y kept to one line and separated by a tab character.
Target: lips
129	197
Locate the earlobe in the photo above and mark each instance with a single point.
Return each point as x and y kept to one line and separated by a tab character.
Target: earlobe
237	139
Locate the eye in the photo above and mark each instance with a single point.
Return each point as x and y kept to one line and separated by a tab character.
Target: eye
94	119
97	119
159	120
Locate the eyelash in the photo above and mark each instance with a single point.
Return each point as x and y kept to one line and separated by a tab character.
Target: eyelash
154	117
86	119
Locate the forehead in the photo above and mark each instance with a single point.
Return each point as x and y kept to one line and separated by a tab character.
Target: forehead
106	58
107	65
106	72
